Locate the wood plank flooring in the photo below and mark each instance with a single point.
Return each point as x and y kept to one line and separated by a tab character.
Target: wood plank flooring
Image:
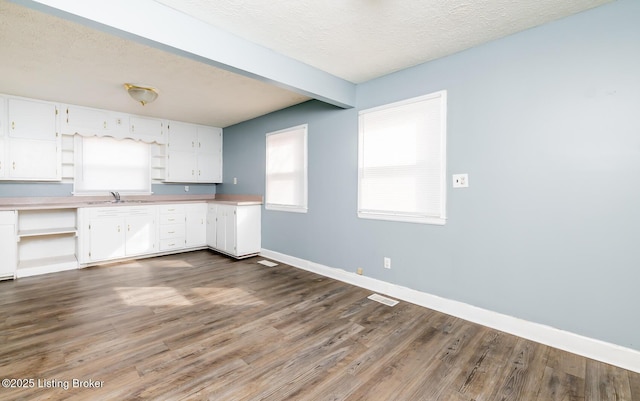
200	326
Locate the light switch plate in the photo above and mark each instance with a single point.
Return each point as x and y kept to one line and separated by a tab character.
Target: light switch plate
461	180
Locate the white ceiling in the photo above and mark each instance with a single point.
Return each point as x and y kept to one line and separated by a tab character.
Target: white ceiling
48	57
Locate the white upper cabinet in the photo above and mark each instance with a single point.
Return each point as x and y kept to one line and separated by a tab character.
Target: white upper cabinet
3	147
31	119
3	162
147	129
83	120
209	154
32	146
183	137
194	153
34	160
88	121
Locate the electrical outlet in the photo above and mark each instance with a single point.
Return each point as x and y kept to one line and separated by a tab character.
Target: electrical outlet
186	188
235	180
461	180
387	263
359	271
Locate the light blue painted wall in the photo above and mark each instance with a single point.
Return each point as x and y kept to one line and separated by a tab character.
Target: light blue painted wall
547	125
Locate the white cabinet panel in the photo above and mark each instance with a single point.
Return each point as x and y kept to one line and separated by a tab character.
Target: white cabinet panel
140	235
172	227
31	149
182	136
147	129
84	120
108	233
194	153
196	225
32	119
209	154
34	159
3	162
212	209
181	166
8	245
237	230
106	239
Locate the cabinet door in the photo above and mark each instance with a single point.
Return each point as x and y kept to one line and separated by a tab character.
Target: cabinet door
248	226
107	239
182	137
34	159
32	119
3	162
8	244
146	128
226	229
181	167
209	154
196	228
140	235
211	224
84	120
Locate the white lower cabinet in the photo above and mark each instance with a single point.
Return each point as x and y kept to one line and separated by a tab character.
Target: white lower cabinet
8	245
172	227
109	233
196	225
237	229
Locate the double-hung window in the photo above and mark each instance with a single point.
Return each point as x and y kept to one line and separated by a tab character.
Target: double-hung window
402	160
286	170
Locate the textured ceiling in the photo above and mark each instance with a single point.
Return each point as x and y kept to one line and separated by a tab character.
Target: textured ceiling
51	58
363	39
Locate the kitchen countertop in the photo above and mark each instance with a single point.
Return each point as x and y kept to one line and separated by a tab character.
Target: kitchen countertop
72	202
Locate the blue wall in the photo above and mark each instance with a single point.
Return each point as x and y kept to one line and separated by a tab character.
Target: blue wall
547	125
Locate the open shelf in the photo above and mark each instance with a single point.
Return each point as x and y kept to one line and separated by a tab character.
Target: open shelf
51	264
46	241
47	231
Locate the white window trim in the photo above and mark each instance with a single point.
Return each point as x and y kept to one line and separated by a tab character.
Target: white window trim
403	217
290	208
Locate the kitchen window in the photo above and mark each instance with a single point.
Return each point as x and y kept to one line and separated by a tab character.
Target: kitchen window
402	161
286	170
104	164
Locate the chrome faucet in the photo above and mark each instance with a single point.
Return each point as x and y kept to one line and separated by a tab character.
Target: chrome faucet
116	196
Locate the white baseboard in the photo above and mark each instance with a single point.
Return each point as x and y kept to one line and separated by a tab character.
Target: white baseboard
613	354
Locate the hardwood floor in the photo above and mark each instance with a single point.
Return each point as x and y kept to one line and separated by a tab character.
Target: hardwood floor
200	326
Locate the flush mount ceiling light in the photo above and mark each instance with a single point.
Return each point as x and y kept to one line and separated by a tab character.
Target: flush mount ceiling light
141	94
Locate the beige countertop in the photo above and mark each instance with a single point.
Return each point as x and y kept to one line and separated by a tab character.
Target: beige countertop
72	202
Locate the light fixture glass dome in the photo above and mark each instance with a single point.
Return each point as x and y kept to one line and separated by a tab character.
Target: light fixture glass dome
141	94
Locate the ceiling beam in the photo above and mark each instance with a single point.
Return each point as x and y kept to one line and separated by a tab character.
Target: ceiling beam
159	26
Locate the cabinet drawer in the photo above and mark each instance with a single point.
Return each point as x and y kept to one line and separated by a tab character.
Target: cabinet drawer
171	243
170	209
172	231
175	218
